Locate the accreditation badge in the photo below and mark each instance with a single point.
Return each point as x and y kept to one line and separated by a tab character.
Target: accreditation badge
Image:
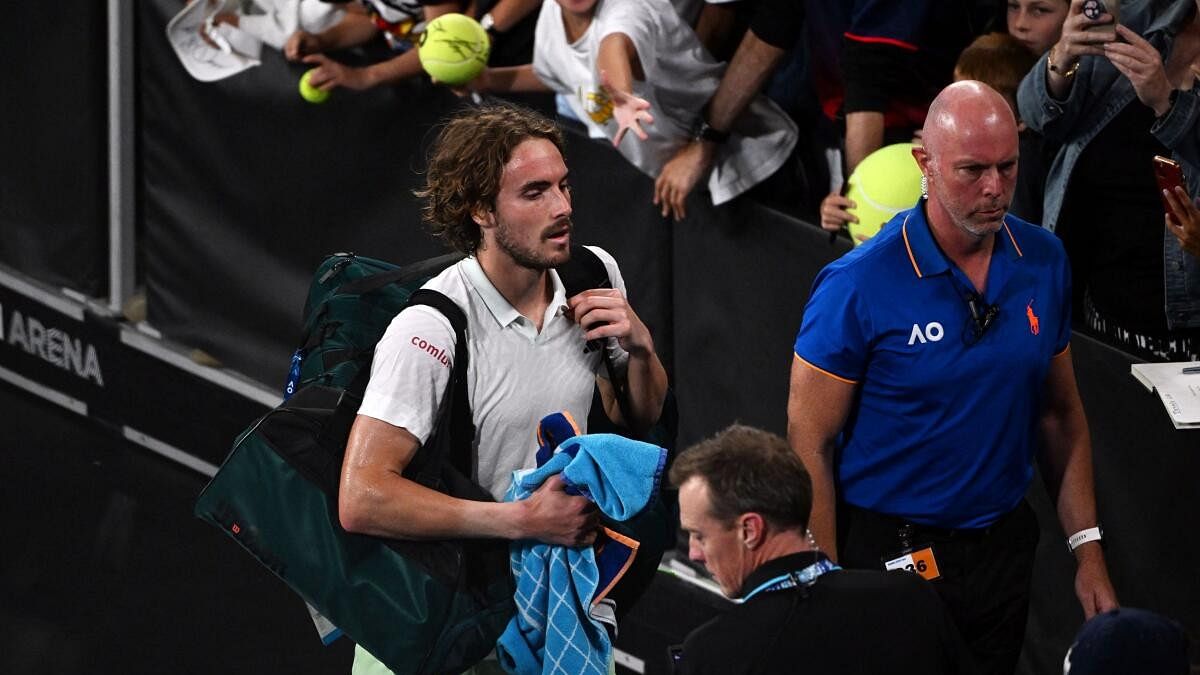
919	560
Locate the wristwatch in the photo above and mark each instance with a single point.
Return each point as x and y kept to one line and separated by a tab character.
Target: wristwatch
701	131
1084	536
488	23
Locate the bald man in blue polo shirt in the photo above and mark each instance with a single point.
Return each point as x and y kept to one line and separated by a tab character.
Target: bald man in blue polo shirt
932	366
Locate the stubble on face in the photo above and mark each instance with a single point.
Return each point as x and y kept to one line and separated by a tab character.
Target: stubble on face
531	215
971	145
531	257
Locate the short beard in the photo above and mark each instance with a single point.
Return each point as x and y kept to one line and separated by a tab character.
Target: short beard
527	258
979	231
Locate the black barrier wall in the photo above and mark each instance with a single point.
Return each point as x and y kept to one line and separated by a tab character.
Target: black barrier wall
53	141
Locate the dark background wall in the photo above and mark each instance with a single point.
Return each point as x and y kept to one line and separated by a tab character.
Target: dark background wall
54	144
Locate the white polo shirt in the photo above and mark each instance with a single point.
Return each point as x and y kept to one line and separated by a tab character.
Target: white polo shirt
515	376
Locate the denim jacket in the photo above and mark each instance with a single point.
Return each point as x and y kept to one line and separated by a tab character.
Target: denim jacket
1097	95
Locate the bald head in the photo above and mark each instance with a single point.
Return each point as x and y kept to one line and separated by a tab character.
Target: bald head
969	159
964	110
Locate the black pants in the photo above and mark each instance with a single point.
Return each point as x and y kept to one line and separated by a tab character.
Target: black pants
985	573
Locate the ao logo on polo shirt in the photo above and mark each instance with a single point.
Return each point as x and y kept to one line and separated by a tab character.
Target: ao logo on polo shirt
933	332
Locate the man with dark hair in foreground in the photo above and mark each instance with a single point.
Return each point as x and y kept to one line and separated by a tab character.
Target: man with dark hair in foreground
744	499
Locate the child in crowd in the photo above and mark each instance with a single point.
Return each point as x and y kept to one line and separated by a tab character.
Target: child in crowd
634	65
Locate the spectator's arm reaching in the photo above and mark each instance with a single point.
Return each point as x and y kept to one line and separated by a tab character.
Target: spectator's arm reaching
752	64
617	65
354	29
508	13
330	74
509	80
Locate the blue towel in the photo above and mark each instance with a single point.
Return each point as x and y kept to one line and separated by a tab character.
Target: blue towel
557	585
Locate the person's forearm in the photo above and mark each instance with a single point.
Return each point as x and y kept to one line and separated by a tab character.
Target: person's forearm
647	389
617	58
1058	86
864	135
392	506
395	70
752	64
353	30
714	27
1068	467
822	520
512	80
508	13
1067	453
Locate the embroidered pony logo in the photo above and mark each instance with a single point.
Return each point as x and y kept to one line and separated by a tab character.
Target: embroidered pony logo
1034	325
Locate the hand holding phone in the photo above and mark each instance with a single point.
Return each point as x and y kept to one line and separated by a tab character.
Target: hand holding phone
1093	10
1169	175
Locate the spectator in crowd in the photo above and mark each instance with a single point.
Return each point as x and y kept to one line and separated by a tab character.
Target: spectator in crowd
927	363
497	190
773	34
1127	640
887	62
1037	24
998	60
1114	97
744	499
1001	61
399	22
633	65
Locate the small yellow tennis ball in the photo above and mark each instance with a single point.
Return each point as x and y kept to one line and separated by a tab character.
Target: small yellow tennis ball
310	93
887	182
454	49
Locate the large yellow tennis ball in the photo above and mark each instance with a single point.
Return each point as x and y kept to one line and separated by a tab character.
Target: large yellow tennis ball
310	93
887	182
454	49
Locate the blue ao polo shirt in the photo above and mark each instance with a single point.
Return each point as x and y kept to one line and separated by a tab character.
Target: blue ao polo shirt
941	432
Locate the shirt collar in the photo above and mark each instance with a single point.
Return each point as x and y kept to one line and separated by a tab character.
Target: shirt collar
777	566
499	307
927	258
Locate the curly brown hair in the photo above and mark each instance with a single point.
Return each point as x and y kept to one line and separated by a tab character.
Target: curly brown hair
467	162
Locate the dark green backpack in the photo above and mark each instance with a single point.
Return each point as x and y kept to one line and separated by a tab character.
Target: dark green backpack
417	606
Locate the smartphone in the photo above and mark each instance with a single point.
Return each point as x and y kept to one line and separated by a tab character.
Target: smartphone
1169	175
1094	9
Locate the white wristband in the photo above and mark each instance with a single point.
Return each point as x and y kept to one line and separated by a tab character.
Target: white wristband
1084	536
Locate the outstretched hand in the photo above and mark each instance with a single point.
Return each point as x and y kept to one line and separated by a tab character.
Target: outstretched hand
329	74
630	111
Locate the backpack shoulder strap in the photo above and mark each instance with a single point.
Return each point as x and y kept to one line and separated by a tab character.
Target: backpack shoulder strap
455	428
584	270
402	275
